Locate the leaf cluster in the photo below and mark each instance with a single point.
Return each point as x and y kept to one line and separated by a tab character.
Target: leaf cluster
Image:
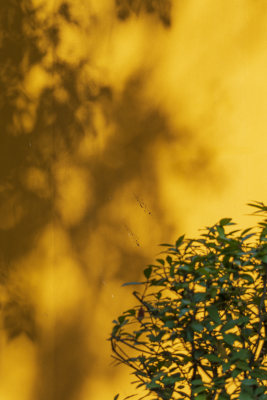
199	329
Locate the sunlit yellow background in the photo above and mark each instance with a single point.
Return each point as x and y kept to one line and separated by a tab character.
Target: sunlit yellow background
121	128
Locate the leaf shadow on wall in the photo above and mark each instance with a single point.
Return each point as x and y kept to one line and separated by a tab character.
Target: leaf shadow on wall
38	132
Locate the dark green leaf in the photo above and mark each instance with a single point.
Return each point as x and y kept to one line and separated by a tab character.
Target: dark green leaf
233	322
197	326
224	396
170	324
153	385
226	366
197	382
214	314
121	319
246	332
184	311
259	373
147	272
230	338
245	396
130	312
169	259
199	389
189	334
225	221
242	354
221	232
236	372
242	365
201	396
247	277
169	380
116	397
249	382
179	241
260	390
199	296
212	358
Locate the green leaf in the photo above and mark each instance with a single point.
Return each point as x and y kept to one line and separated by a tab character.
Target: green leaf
242	365
247	277
157	338
179	241
214	314
212	358
197	382
242	354
259	373
249	382
169	260
226	366
121	319
224	396
199	296
189	334
201	396
153	385
221	232
236	372
147	272
172	270
170	324
130	312
246	332
199	389
260	390
230	338
225	221
116	397
169	380
245	396
183	311
233	322
185	302
197	326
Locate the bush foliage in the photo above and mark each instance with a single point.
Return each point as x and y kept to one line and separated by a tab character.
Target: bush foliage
199	328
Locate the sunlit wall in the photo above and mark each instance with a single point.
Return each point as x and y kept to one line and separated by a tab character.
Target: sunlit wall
123	124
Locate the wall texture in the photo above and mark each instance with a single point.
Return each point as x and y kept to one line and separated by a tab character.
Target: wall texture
123	125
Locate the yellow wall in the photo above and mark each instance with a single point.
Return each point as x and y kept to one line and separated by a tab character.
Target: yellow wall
116	135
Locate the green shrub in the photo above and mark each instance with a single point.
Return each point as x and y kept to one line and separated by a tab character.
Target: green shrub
199	328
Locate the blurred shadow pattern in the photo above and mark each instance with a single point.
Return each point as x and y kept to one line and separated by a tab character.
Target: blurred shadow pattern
74	155
162	8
